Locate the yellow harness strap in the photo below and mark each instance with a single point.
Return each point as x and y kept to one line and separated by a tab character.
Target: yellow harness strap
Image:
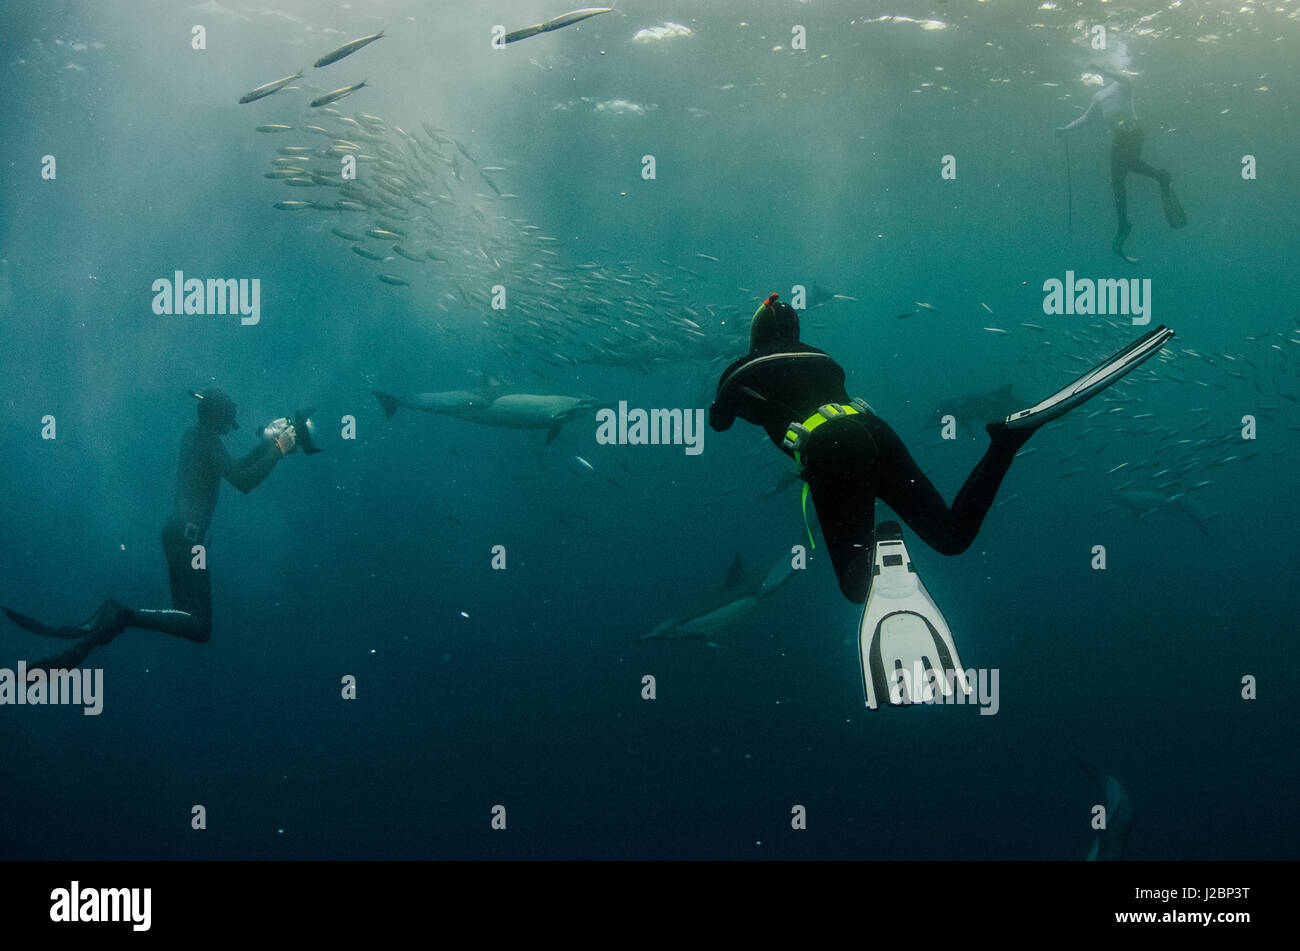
798	433
811	543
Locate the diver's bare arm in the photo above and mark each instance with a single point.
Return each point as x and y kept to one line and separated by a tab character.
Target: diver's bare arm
1088	113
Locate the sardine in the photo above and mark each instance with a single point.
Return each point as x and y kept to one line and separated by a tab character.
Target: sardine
337	94
347	49
261	92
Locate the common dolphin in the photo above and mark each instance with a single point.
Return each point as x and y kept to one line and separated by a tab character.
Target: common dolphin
491	407
1113	839
726	610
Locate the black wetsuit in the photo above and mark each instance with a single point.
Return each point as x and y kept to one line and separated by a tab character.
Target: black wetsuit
204	462
1113	104
1126	157
851	461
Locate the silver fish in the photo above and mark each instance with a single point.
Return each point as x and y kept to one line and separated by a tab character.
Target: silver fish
266	89
566	19
347	49
337	94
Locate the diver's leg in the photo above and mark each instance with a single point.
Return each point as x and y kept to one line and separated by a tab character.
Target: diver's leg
1119	168
1174	216
841	475
180	623
191	614
191	617
1150	171
904	488
1133	141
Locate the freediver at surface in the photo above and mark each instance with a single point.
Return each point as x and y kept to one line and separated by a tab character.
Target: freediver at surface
848	457
204	462
1113	105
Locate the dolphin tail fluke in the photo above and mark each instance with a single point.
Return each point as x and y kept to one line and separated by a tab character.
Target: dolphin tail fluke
389	403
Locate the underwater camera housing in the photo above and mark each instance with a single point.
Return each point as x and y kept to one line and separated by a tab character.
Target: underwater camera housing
305	430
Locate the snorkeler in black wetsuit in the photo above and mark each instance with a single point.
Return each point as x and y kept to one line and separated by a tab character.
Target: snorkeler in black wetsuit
204	462
849	456
1113	105
853	459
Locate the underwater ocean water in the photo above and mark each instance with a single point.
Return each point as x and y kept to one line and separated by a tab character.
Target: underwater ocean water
437	625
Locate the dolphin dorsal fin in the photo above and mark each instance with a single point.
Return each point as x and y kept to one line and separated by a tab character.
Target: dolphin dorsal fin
734	574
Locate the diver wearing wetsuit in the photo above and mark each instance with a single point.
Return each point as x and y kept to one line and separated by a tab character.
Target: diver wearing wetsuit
1113	105
854	457
204	462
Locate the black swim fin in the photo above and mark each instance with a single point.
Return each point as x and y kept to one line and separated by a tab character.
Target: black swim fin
36	627
1174	213
106	623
